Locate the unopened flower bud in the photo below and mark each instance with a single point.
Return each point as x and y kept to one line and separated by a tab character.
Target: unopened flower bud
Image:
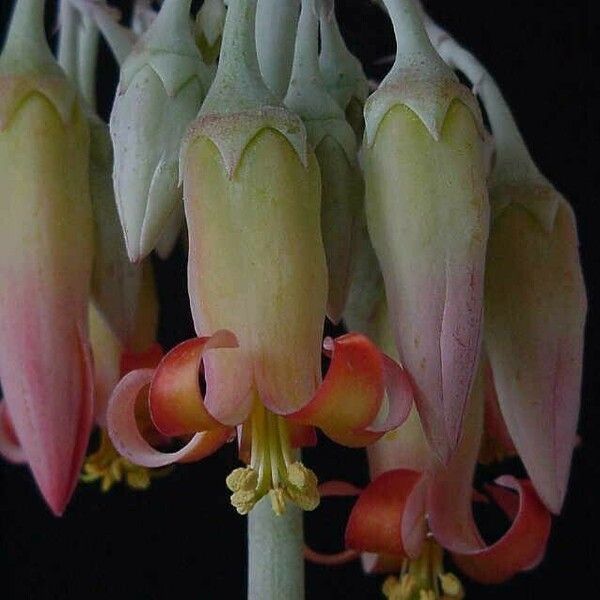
160	91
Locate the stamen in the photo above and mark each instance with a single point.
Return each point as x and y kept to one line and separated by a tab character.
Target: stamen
109	467
424	578
272	469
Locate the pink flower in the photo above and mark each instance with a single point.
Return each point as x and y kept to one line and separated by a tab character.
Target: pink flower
46	234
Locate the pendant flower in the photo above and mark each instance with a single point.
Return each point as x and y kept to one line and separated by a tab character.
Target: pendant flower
257	278
535	298
428	218
46	250
414	507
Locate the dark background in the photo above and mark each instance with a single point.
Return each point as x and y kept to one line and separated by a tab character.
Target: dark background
181	537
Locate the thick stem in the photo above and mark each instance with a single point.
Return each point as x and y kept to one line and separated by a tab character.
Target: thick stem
276	22
275	553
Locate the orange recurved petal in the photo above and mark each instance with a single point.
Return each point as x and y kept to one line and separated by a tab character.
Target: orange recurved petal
376	521
176	401
127	439
348	404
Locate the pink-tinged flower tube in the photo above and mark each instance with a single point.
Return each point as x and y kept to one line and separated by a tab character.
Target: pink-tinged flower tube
428	217
414	507
535	298
46	239
257	285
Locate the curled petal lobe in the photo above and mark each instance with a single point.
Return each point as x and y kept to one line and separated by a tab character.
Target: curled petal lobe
398	399
127	439
347	404
376	521
176	402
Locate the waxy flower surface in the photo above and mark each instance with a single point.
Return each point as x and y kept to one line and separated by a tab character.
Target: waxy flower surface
257	279
163	82
535	298
46	253
428	217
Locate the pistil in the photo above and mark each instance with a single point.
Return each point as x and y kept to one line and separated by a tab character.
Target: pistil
273	468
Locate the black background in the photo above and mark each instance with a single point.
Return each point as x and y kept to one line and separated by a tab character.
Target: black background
181	537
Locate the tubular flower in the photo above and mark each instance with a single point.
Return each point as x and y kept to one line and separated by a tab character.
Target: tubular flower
428	217
342	187
257	278
162	85
46	247
535	299
414	507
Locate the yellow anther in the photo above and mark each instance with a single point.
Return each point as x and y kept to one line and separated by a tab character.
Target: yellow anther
243	501
138	480
244	478
272	468
389	585
407	587
108	467
302	488
423	578
301	477
277	496
451	586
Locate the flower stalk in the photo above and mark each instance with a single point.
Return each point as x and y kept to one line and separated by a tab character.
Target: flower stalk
275	553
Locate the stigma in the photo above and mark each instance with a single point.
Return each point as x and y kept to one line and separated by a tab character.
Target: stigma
273	469
424	578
